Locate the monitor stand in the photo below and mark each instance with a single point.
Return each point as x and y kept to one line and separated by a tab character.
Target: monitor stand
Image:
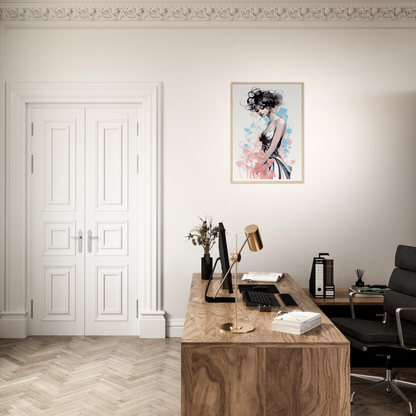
217	299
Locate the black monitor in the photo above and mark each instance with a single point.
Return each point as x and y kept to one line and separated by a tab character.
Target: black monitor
225	265
225	262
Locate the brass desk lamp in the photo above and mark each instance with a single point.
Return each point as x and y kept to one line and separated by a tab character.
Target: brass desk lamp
255	244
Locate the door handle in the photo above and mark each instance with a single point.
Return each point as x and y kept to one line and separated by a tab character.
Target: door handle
90	237
79	238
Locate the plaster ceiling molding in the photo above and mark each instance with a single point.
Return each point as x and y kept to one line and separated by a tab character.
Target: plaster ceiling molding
193	3
203	13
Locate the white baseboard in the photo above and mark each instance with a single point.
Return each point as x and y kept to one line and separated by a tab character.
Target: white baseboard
152	324
175	328
14	324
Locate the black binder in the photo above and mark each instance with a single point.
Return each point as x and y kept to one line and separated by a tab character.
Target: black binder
321	282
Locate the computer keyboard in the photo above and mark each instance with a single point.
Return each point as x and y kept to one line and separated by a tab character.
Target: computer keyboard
258	298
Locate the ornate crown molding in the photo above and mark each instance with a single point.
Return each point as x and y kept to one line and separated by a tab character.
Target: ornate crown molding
355	13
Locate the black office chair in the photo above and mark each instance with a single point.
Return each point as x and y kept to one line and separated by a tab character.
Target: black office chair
398	329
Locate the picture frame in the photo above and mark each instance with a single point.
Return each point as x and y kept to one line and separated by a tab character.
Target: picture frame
267	132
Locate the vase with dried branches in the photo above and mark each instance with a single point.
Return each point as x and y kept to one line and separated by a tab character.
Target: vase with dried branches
204	235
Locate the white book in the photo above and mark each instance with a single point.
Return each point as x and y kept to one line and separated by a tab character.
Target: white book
262	277
296	324
296	330
296	318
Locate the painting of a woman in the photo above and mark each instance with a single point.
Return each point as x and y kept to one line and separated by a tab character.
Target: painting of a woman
266	104
267	145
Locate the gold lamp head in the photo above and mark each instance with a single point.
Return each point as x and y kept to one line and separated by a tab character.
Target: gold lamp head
254	237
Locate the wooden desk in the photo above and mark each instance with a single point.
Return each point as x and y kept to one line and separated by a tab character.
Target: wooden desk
265	372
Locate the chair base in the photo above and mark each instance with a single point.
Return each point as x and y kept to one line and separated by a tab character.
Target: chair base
390	381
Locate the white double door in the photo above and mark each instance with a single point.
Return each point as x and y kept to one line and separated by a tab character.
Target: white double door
83	220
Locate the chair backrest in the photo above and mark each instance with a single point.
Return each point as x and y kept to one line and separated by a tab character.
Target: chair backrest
402	285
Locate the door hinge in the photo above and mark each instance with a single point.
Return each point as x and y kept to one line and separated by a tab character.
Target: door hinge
32	129
137	128
138	164
31	308
32	164
137	308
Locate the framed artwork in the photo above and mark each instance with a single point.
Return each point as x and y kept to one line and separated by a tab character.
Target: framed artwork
267	132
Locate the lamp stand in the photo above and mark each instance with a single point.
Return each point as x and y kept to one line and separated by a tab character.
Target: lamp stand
229	327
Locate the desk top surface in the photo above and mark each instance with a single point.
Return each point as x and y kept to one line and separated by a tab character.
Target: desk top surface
203	318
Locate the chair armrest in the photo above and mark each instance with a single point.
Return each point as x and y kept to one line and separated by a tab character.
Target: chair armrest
399	327
352	294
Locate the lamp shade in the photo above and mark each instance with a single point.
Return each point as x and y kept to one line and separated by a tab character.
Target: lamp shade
254	238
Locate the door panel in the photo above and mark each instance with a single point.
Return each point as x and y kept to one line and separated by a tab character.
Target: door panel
112	286
57	202
112	238
111	216
58	241
60	165
112	165
60	297
84	181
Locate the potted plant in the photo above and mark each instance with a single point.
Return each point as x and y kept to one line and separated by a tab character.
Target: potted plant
204	235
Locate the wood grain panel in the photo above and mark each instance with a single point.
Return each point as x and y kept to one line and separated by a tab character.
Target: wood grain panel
284	381
226	381
210	385
324	387
186	379
344	379
248	368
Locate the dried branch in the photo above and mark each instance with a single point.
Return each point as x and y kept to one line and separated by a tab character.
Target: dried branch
204	235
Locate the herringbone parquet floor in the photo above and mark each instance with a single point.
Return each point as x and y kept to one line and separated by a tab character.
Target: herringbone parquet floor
120	376
90	376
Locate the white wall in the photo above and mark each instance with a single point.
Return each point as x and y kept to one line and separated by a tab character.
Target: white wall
358	200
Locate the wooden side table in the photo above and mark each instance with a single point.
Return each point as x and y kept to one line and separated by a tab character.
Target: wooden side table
370	308
342	298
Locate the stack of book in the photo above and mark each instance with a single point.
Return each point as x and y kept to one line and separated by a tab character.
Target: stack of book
296	322
368	291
